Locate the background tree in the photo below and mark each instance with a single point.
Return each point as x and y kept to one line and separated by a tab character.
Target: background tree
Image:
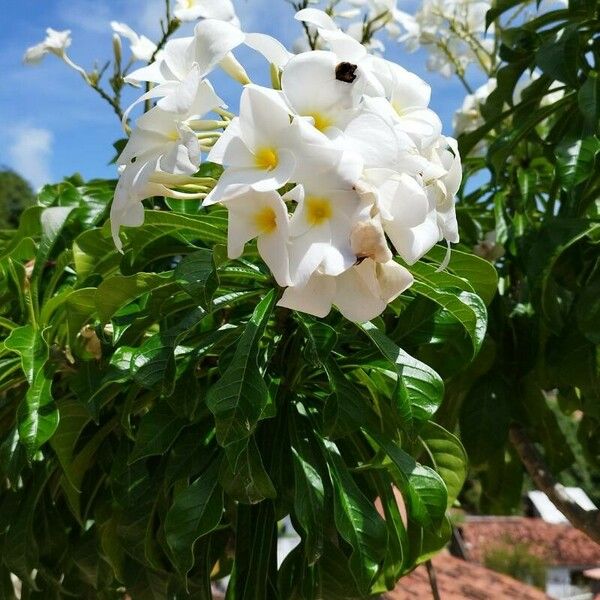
15	196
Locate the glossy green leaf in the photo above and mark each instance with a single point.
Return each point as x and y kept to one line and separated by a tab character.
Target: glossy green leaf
423	385
196	511
356	520
240	399
447	456
117	291
158	430
196	273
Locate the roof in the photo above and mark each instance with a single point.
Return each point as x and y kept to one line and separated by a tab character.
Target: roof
556	544
550	513
461	580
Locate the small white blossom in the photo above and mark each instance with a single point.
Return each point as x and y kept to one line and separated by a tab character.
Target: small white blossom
141	47
56	42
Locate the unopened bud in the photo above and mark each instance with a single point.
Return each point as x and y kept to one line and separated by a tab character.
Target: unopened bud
118	50
234	69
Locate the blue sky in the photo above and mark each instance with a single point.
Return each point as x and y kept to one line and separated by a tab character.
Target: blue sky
53	125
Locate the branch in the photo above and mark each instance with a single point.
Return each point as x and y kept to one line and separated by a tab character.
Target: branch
433	580
587	521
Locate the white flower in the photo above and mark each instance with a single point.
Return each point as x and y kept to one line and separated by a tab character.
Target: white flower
191	10
468	117
257	147
360	293
56	42
163	150
313	89
141	47
261	215
321	228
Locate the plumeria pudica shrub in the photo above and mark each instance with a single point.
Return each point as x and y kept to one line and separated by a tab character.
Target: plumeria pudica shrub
262	328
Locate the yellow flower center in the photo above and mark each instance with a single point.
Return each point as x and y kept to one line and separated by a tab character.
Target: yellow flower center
191	3
318	210
322	122
266	220
266	158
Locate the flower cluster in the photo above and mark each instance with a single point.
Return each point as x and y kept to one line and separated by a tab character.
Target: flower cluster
334	171
361	20
454	32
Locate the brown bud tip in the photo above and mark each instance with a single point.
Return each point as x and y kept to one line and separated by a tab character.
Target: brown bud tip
346	72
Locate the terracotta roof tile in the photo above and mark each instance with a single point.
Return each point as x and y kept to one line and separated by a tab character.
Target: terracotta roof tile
557	544
461	580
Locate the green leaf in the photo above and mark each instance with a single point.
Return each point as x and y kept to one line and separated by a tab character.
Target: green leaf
119	290
480	273
448	457
249	483
356	520
153	364
467	308
588	99
484	418
320	338
38	416
559	54
197	275
157	431
423	489
240	399
576	160
74	416
423	385
255	568
196	511
309	491
30	346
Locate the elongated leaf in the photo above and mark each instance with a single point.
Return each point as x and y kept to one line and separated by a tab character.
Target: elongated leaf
484	418
197	275
309	491
157	432
117	291
478	272
196	511
356	520
254	575
38	416
576	159
467	308
240	399
423	489
154	362
424	387
448	457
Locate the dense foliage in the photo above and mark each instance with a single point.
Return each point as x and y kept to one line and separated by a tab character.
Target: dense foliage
153	398
159	414
540	358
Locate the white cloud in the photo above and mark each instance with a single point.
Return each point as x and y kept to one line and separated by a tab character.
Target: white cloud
29	153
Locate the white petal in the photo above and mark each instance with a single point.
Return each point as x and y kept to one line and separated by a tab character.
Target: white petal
263	117
315	298
316	17
310	85
273	50
214	40
413	243
355	297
